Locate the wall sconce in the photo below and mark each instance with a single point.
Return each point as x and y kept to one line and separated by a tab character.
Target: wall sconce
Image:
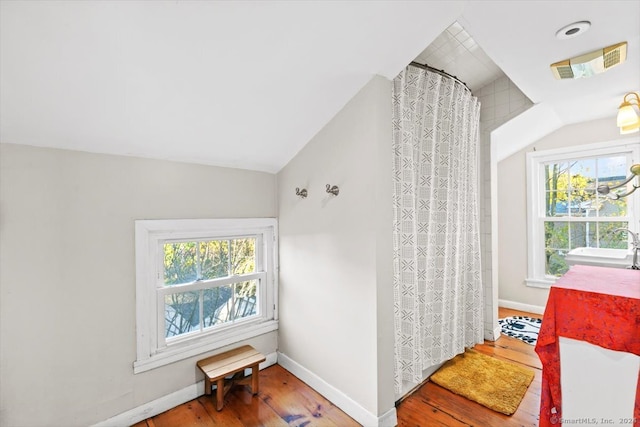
628	120
333	190
605	190
302	193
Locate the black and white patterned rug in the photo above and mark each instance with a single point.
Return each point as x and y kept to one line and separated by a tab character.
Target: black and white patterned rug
523	328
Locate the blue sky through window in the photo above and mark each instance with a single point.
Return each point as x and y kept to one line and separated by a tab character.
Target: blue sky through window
604	167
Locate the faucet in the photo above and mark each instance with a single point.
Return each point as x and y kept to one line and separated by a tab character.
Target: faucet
635	243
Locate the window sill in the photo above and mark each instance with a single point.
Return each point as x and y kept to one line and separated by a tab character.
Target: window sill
188	349
539	283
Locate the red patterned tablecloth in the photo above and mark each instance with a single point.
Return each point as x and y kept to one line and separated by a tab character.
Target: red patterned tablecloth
594	304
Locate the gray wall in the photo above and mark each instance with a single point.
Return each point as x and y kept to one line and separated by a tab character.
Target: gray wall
512	206
67	279
66	225
336	293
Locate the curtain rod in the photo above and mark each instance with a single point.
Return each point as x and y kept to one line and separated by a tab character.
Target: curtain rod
441	72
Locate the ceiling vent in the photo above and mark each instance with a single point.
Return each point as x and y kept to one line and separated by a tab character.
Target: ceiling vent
591	63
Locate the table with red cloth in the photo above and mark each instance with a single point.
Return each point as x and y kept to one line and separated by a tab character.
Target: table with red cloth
594	304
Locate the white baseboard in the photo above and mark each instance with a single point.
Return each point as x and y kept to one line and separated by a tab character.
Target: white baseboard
167	402
490	334
388	419
520	306
337	397
496	332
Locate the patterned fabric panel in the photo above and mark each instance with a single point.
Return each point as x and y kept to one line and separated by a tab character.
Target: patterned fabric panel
438	298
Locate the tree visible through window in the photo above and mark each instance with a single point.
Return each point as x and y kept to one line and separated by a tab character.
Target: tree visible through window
202	284
198	261
575	215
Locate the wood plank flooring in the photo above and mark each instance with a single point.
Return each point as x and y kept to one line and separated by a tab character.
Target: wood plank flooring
286	401
432	405
283	400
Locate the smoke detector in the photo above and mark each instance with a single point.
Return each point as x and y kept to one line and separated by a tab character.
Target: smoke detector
591	63
573	30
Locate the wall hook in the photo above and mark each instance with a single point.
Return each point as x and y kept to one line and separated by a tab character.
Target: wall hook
333	190
302	193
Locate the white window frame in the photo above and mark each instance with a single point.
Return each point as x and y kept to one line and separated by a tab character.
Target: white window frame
152	349
536	276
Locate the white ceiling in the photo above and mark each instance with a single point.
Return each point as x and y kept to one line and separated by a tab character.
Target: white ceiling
248	84
457	53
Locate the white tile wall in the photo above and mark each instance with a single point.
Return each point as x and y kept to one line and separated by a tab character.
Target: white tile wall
457	53
500	101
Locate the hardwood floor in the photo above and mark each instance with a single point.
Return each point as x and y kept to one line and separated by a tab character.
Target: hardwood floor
284	400
432	405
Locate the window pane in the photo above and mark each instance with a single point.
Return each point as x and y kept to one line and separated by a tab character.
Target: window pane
555	263
557	203
582	181
613	239
556	247
583	235
243	256
581	207
578	237
555	174
214	259
217	305
228	303
180	263
186	262
246	299
556	235
556	196
611	172
612	208
181	313
590	235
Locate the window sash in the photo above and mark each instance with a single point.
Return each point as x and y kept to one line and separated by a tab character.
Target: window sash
258	252
164	341
210	283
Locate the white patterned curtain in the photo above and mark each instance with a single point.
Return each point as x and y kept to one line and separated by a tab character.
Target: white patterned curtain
438	298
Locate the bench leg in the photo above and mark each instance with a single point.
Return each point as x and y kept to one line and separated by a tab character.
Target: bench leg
207	385
254	379
220	394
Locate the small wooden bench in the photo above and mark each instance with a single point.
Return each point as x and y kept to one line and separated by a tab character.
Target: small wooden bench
233	362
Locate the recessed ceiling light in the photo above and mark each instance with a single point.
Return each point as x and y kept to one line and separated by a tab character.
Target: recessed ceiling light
573	30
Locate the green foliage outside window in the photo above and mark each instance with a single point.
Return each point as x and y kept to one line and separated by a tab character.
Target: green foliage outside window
187	262
569	194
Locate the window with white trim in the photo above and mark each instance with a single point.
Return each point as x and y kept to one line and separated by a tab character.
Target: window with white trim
202	284
566	212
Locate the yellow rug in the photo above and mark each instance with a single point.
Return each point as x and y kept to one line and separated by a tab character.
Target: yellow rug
491	382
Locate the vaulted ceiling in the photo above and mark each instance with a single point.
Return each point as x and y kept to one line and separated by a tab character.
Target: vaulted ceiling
248	83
